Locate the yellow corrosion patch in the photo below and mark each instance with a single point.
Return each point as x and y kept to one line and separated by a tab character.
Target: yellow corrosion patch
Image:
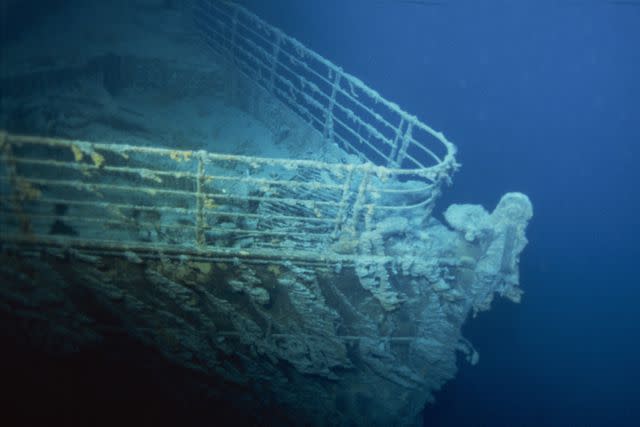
181	156
77	153
275	269
98	159
26	190
209	203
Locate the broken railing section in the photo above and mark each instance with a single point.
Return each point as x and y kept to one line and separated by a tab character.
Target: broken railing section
135	198
340	106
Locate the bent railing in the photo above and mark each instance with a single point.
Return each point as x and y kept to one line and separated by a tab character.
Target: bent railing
338	105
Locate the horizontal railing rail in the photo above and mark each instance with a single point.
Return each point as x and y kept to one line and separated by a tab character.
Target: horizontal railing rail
335	103
70	192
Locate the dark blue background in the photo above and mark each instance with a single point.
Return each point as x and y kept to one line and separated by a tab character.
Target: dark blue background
540	97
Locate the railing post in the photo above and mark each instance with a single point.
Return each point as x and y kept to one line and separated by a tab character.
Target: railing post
274	60
20	190
232	66
200	199
406	139
344	203
328	121
397	140
360	199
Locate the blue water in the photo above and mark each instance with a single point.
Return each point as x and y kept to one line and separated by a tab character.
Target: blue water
540	97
